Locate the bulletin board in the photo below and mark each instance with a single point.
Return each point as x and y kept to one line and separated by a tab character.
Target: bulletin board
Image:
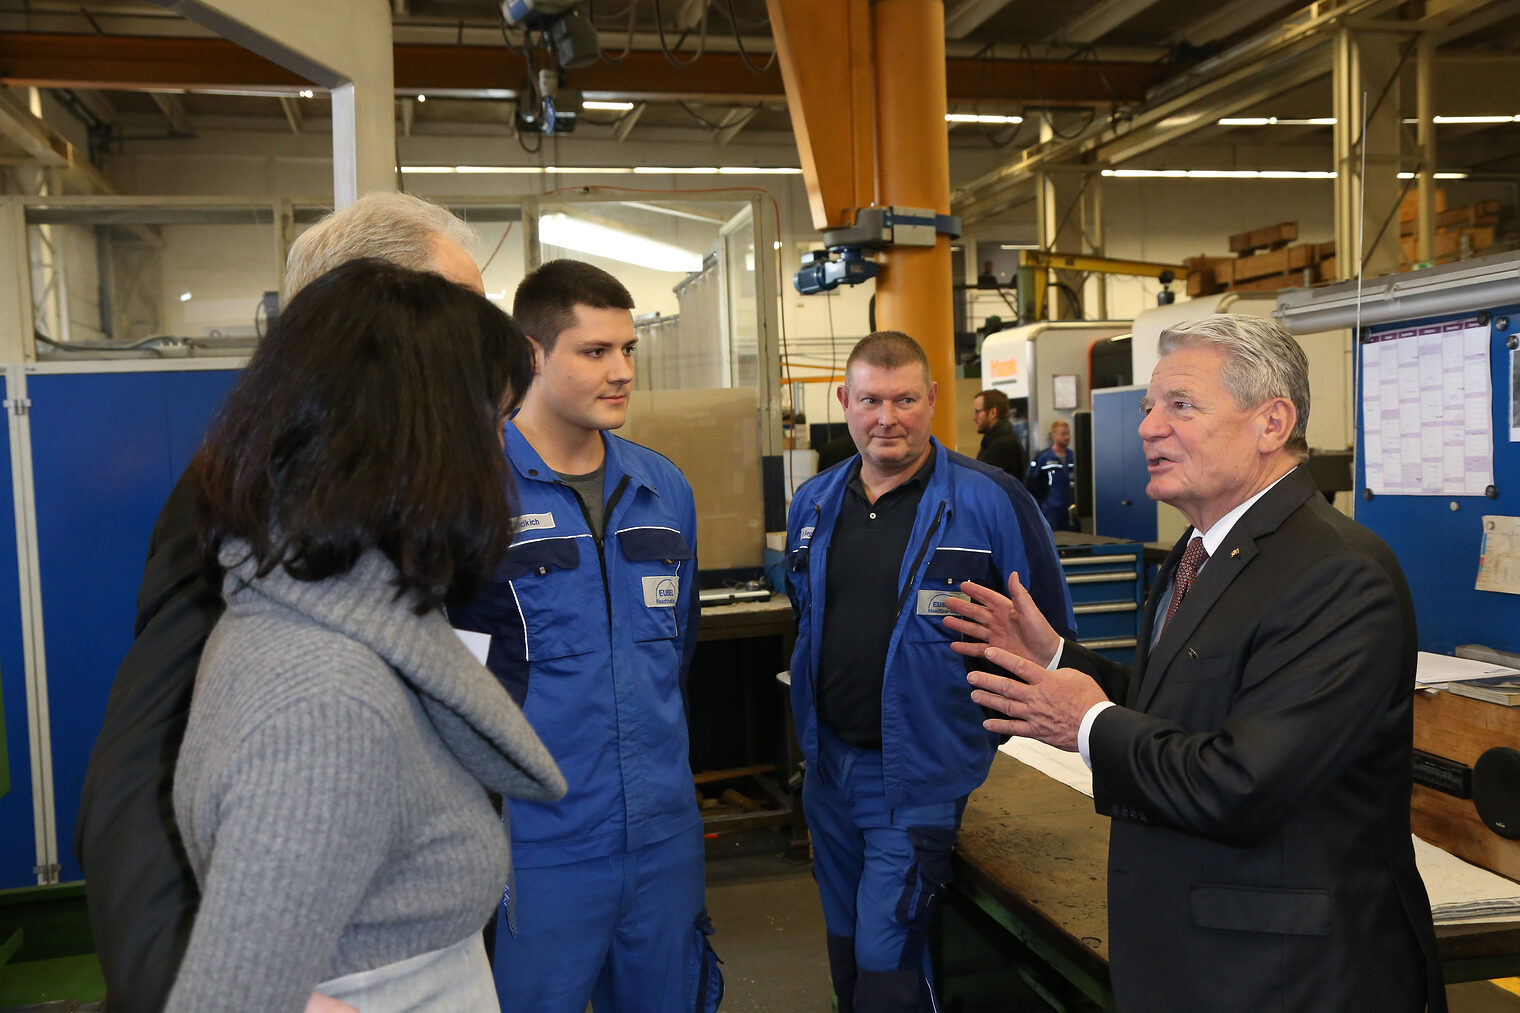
1437	452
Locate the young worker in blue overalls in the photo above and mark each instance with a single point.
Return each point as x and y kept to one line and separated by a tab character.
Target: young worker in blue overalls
592	623
1050	478
893	741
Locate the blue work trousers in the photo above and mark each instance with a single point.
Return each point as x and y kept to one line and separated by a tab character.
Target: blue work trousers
880	875
626	932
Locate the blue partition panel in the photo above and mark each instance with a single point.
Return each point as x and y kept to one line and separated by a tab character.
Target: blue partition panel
1439	547
106	450
18	852
1121	509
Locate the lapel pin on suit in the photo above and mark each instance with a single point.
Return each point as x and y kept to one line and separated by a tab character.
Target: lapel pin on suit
1234	553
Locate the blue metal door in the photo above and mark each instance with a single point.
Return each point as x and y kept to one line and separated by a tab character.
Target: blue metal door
1120	507
106	450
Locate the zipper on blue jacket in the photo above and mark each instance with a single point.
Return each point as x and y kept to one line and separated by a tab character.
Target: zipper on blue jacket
923	547
600	539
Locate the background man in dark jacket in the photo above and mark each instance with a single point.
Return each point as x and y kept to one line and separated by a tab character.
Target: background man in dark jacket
1000	445
142	893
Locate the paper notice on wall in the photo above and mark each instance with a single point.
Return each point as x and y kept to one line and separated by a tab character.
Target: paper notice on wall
1499	563
1427	415
1514	396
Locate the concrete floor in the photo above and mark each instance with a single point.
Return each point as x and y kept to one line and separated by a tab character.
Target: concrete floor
770	936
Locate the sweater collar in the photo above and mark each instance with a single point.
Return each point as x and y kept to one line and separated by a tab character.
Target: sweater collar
470	710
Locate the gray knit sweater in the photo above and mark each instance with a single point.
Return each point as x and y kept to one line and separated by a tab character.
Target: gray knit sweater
331	788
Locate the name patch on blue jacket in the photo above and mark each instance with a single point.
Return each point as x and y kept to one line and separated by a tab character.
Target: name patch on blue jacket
932	603
661	592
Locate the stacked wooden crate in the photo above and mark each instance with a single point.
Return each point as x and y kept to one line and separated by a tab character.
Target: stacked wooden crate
1461	232
1266	259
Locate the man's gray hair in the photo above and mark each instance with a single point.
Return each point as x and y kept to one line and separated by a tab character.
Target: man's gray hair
1262	361
396	227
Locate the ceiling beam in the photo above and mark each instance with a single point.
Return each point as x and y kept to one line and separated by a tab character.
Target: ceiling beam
625	123
99	106
1225	20
292	110
1100	19
139	63
734	121
47	147
174	111
967	16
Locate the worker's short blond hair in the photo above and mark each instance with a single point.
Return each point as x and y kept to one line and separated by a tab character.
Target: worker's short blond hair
887	350
396	227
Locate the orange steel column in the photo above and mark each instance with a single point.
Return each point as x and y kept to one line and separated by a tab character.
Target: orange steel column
913	170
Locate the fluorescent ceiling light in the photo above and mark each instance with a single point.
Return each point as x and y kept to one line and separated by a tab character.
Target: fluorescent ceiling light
606	170
1436	175
1277	121
591	237
184	297
1217	174
1476	119
614	107
1019	246
981	118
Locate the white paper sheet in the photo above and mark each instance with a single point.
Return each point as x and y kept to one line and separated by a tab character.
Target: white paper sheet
478	643
1432	669
1462	893
1065	767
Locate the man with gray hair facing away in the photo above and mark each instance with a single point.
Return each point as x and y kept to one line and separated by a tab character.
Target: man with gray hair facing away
1255	759
142	894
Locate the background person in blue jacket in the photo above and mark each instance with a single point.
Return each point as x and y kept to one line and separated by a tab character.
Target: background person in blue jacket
893	743
1050	478
592	623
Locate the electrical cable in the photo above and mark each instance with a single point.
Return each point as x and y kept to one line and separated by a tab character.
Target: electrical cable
700	118
739	42
659	24
633	6
504	233
1092	114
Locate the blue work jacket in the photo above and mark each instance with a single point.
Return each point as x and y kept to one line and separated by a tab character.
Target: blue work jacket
974	522
593	639
1049	481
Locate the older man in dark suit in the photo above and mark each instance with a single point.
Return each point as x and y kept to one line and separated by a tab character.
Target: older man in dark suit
1255	760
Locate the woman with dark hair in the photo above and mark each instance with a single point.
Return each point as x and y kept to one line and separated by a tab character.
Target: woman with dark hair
332	786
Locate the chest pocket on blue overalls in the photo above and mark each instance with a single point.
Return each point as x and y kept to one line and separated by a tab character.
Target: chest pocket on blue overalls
658	560
948	568
540	581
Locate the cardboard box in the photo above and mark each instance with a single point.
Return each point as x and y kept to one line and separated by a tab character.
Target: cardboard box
1270	237
1409	207
713	436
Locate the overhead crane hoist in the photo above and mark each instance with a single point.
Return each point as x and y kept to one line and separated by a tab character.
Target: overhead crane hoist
844	260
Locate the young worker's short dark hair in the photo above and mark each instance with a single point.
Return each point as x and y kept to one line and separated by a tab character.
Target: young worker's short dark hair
546	299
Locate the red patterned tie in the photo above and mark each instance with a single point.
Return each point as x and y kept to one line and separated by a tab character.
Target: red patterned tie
1192	558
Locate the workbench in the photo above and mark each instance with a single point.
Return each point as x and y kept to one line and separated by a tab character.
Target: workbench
741	716
1031	857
